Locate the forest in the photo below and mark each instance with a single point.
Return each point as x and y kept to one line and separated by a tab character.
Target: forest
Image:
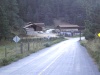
15	13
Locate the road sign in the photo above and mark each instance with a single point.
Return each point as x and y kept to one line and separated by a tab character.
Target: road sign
16	39
98	34
48	37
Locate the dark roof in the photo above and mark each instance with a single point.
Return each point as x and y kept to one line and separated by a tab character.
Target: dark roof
62	26
37	24
40	24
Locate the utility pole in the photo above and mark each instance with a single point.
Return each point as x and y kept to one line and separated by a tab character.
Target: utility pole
80	35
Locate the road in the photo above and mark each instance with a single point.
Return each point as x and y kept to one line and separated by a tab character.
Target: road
65	58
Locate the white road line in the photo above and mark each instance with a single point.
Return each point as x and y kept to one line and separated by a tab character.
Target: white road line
25	63
50	64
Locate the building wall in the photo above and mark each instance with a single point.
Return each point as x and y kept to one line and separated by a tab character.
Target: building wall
30	31
39	28
33	32
33	29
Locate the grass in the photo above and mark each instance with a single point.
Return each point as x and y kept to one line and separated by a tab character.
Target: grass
93	47
14	53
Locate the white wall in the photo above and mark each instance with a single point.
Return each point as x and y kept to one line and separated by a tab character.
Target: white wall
30	31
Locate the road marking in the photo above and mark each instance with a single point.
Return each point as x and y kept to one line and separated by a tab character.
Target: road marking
25	63
50	64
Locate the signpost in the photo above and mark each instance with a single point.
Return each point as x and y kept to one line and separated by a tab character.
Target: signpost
80	35
16	39
48	37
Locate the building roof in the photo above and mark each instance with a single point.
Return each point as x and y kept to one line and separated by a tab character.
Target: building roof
67	26
27	25
39	24
31	24
70	26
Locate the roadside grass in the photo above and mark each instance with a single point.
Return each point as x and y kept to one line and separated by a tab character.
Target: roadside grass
93	47
10	53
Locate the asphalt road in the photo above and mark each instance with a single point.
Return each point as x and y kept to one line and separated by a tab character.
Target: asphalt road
65	58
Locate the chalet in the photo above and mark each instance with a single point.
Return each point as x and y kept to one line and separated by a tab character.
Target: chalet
34	28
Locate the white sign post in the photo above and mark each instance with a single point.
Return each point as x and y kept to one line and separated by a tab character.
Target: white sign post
48	37
16	39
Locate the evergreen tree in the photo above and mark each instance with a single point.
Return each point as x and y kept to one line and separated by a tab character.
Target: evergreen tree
13	12
4	28
92	22
29	14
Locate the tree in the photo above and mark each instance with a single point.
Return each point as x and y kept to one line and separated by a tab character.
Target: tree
9	18
13	12
4	28
29	14
92	23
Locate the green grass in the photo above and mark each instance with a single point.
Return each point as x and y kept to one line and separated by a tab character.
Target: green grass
93	47
13	53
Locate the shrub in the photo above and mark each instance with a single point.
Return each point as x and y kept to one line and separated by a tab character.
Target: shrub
47	45
4	62
88	35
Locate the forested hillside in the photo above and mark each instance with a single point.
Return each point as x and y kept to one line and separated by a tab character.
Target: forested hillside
14	13
70	11
10	20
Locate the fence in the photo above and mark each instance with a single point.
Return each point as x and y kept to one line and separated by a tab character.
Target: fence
25	46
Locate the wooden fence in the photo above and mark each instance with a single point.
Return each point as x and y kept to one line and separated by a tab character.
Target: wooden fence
25	46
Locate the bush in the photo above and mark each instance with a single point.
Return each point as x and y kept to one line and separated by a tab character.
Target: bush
88	35
4	62
47	45
8	60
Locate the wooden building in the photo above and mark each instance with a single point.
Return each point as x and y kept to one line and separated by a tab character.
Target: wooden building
69	29
34	28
